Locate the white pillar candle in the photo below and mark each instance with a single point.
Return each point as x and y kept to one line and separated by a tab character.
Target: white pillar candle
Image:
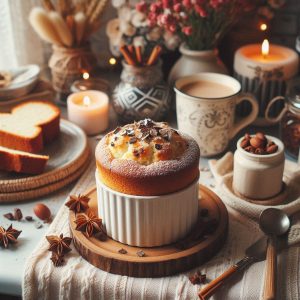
263	70
89	110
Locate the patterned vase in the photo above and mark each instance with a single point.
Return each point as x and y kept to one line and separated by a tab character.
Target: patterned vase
142	93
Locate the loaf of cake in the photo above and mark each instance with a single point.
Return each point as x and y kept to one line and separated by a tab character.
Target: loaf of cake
29	126
22	162
147	158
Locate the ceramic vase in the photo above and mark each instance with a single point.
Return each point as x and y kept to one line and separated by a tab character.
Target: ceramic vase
68	65
193	62
142	93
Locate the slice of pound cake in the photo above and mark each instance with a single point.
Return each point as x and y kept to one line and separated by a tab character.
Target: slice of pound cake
22	162
29	126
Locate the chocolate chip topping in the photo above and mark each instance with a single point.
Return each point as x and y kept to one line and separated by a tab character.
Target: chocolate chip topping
153	132
133	140
158	146
117	130
146	130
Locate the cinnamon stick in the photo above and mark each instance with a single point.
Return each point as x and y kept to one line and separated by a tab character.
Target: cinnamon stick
127	56
154	55
138	54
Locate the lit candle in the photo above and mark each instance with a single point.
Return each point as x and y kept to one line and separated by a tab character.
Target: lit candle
89	110
85	75
263	70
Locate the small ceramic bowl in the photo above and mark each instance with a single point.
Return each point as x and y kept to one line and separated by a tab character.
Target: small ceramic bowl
23	81
258	176
147	221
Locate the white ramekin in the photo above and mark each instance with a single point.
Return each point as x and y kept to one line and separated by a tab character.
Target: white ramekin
147	221
258	176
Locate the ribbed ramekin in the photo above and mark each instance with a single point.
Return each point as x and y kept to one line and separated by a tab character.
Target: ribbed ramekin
147	221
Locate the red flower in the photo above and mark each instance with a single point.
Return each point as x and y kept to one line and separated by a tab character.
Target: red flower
166	3
187	4
172	28
177	7
217	3
187	30
201	11
141	7
154	7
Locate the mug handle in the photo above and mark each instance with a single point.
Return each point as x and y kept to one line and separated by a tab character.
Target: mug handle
278	118
250	118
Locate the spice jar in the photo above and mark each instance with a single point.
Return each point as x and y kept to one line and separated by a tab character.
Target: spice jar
258	176
289	118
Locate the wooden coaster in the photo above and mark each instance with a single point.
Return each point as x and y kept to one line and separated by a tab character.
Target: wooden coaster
158	261
67	154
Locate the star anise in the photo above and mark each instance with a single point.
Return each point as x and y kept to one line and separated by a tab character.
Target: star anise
198	278
78	203
8	236
57	259
59	244
89	224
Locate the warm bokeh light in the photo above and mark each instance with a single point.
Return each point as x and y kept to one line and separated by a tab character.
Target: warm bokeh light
265	48
112	61
85	75
86	101
263	27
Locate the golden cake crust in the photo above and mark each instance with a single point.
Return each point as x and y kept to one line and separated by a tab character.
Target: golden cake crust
144	168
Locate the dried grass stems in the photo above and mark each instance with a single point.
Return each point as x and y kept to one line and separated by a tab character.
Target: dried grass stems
67	23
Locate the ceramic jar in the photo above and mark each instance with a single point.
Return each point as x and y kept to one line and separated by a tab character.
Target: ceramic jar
258	176
193	61
141	94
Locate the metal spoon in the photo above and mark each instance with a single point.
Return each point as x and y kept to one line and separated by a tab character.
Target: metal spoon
273	222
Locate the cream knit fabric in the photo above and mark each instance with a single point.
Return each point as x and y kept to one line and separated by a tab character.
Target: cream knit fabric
80	280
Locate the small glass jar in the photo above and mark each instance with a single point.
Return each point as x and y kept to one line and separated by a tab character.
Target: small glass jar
290	122
289	118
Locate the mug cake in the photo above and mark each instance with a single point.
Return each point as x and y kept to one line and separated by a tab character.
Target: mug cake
147	183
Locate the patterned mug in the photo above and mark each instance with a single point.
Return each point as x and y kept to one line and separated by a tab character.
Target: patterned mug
209	117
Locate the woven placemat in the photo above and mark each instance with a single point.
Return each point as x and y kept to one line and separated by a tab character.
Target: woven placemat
44	190
71	132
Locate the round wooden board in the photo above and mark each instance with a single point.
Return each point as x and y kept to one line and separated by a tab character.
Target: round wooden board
158	261
67	154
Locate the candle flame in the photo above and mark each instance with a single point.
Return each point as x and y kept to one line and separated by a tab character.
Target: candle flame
86	101
85	75
112	61
265	48
263	27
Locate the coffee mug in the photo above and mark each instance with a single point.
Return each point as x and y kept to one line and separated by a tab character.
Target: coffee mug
205	105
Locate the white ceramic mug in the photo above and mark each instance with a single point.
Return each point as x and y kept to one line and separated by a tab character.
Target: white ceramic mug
211	120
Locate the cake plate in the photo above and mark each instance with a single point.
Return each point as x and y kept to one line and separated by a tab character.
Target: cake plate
69	155
196	248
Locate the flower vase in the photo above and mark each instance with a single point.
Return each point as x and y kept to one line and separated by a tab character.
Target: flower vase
194	61
68	65
142	93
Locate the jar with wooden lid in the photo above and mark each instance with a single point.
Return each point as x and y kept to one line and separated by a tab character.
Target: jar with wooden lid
289	118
